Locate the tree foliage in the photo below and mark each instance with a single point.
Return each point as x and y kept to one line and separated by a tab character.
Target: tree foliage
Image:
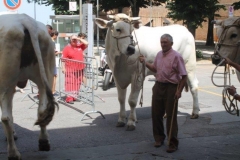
236	5
192	13
61	6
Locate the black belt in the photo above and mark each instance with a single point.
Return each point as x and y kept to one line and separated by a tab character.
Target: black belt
165	83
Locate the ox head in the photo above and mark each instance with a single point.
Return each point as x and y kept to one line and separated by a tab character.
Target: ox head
119	35
228	32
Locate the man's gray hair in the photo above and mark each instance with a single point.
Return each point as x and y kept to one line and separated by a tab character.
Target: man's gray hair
168	36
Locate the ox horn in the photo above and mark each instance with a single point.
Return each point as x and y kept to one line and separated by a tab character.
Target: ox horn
111	16
135	18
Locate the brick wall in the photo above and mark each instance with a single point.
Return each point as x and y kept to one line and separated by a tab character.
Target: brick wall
158	15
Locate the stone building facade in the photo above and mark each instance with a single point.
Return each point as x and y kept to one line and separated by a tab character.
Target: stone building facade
158	15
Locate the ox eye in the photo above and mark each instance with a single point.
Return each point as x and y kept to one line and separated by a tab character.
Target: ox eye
118	30
234	35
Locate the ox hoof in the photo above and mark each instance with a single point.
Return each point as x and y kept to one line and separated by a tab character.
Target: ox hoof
120	124
194	116
15	137
43	145
130	128
14	158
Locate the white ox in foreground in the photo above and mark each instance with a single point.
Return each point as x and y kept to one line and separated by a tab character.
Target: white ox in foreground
228	32
26	52
126	69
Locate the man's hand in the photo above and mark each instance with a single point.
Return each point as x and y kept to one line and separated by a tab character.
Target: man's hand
142	59
232	90
63	70
228	61
178	95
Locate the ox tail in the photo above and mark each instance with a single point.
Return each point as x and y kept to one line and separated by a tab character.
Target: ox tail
46	117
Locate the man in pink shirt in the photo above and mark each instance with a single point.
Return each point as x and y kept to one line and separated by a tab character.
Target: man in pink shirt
171	76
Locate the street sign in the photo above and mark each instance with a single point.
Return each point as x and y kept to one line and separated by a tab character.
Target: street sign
230	11
72	6
12	4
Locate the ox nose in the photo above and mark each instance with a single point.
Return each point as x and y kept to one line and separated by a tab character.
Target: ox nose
130	49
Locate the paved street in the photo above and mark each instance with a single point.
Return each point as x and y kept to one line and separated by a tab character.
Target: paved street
215	135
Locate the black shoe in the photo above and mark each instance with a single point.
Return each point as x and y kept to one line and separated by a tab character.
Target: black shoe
172	148
158	144
70	102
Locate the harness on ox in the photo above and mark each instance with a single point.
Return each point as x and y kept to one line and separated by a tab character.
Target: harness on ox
131	50
219	60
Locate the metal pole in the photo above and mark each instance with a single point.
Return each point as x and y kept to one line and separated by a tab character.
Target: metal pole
80	15
97	28
35	10
57	30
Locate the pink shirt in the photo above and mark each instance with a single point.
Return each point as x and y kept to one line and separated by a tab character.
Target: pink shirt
170	67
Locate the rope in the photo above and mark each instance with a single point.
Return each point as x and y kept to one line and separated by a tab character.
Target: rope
231	108
141	71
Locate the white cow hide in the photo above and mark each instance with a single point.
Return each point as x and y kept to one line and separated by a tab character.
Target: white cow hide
26	52
126	68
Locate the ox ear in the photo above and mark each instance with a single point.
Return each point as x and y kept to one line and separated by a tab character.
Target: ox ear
137	24
101	23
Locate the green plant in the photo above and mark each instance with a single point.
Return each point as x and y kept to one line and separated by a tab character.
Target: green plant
199	54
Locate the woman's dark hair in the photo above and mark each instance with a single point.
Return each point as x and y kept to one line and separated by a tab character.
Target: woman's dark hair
55	32
82	35
49	26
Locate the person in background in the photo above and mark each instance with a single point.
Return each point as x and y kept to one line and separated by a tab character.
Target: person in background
73	71
54	37
50	29
171	76
232	90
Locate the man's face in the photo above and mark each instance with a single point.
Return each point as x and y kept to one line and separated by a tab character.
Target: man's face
49	30
166	44
74	42
55	37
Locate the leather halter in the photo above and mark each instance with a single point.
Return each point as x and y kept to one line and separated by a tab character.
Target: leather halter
131	46
223	36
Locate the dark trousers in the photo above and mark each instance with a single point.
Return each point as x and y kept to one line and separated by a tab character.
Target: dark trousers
163	101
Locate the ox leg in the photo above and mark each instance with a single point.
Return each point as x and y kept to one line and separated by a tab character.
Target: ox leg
193	83
132	100
7	120
122	113
43	142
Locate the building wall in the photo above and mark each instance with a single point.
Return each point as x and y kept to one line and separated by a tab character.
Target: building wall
159	13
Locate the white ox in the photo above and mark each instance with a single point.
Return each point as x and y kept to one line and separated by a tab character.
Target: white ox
228	33
26	52
126	69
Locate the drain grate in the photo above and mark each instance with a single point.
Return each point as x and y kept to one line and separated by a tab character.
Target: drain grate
189	105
